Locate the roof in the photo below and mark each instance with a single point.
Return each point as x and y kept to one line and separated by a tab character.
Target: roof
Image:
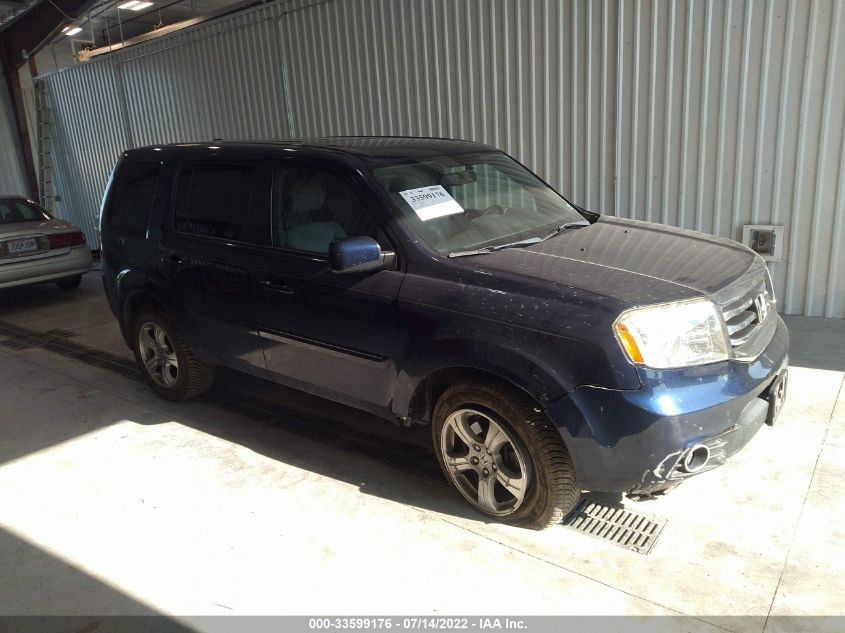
366	148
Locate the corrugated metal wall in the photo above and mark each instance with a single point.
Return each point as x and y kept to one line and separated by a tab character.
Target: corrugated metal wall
12	178
703	114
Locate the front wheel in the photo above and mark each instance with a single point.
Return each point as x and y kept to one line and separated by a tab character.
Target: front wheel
503	456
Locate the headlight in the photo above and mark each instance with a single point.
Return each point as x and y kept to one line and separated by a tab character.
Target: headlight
673	335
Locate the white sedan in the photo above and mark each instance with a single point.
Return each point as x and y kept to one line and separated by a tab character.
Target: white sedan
36	247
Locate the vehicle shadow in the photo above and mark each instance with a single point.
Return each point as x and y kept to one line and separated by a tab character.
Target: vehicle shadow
42	593
47	296
374	454
378	456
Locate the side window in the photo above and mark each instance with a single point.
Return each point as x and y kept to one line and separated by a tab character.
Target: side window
214	199
132	199
312	208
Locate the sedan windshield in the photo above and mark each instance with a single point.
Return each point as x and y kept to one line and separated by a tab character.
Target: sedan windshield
14	210
475	202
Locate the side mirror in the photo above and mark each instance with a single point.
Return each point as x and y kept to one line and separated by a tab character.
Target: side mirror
358	254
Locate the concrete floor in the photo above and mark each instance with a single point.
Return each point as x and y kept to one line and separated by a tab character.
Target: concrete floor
259	500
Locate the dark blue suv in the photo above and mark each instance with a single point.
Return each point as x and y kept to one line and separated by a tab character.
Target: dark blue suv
550	349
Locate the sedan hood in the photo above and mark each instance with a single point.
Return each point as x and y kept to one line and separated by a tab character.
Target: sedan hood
637	262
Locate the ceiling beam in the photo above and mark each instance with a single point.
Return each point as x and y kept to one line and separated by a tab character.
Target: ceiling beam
30	32
21	40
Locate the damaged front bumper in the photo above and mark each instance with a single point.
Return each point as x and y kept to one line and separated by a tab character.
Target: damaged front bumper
648	440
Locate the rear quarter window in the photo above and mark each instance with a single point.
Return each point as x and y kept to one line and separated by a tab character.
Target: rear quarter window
132	199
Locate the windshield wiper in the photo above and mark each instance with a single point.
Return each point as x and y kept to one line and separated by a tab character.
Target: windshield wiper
526	242
563	227
498	247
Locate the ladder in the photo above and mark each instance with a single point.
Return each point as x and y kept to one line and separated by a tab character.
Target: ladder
45	148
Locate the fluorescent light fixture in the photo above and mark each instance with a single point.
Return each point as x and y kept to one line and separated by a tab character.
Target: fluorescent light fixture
66	29
140	6
128	5
73	31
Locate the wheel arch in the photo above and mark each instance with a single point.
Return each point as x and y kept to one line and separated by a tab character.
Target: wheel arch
424	379
544	499
131	303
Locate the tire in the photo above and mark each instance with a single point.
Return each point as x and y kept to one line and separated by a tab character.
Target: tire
176	373
70	283
539	496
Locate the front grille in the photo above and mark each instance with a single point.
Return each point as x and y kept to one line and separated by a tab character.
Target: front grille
749	313
743	315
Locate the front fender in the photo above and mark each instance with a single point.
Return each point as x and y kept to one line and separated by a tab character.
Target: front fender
530	374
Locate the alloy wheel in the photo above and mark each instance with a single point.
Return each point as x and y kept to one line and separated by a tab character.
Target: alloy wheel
485	461
158	354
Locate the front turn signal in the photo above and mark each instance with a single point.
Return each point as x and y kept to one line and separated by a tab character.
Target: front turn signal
629	344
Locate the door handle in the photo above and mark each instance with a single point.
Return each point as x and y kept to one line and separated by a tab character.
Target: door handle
276	285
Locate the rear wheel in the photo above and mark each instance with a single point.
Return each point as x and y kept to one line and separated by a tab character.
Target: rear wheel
503	456
165	359
71	283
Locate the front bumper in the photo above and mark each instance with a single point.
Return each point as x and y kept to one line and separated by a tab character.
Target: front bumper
635	441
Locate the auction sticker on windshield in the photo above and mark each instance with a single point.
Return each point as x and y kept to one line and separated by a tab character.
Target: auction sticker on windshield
431	202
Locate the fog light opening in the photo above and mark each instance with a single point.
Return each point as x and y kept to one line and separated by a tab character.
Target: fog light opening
696	458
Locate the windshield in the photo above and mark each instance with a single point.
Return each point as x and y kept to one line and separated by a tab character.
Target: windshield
465	202
12	210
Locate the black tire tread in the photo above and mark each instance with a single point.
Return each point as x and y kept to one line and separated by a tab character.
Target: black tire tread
198	376
557	492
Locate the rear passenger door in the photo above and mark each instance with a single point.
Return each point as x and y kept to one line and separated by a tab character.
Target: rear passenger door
209	249
331	334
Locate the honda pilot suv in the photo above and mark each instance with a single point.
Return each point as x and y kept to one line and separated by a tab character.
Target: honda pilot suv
550	349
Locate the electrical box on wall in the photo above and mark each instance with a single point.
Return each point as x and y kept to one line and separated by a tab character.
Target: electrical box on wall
765	240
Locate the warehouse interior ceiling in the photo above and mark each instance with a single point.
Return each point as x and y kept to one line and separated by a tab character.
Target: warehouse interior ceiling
11	9
112	22
106	24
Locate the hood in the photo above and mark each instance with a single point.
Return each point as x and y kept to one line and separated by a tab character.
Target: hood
36	227
637	262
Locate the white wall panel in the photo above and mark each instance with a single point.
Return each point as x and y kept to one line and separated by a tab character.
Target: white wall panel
705	114
88	132
12	178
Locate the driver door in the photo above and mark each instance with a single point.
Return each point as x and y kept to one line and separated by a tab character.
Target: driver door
336	335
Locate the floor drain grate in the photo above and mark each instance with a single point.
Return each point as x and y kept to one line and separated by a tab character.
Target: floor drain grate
622	527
